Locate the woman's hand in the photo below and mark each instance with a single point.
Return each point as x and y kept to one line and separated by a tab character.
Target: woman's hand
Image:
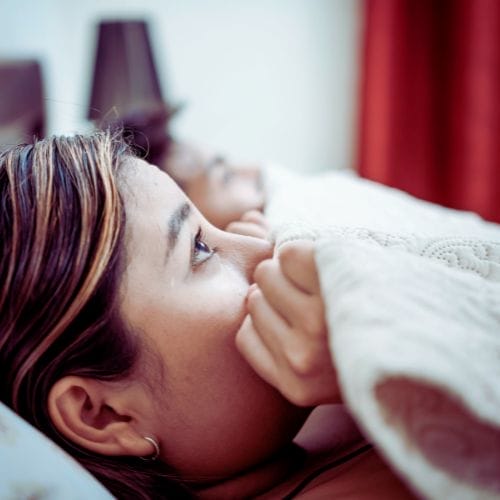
284	336
251	223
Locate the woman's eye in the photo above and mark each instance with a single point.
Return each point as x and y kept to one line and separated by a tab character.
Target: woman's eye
227	176
201	251
221	171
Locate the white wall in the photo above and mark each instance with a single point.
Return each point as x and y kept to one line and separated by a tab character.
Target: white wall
263	79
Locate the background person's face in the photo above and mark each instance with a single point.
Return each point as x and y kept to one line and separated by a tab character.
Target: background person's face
221	190
212	413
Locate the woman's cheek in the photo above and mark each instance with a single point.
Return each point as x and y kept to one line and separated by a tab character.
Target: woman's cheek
225	293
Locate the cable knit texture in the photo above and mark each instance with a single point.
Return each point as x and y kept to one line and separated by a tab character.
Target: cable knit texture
412	294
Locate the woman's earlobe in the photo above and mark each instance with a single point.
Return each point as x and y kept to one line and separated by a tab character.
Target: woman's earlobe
83	411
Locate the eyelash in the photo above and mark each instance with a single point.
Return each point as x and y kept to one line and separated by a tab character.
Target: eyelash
195	252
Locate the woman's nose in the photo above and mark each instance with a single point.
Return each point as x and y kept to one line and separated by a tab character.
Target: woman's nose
249	171
248	251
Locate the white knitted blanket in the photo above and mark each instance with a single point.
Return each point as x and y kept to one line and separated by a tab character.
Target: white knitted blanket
412	294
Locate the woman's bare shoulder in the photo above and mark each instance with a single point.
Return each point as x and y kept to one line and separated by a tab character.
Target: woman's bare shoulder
339	463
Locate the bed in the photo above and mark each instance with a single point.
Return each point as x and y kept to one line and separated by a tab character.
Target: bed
412	293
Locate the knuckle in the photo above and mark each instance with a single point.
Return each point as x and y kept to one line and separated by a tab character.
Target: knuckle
297	250
290	252
254	298
251	216
313	321
299	395
240	339
237	228
313	326
297	260
262	270
242	334
302	361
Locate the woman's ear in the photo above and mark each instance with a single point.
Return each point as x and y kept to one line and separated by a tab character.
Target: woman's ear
101	416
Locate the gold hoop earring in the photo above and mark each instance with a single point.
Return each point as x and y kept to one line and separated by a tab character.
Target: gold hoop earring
156	446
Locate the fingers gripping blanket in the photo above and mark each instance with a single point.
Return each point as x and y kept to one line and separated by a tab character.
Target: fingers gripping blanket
412	294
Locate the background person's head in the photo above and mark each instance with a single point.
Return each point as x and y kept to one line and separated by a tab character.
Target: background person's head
221	189
118	311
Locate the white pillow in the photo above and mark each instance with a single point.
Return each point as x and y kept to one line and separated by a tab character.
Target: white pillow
32	466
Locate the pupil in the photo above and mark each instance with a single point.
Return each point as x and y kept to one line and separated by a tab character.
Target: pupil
202	246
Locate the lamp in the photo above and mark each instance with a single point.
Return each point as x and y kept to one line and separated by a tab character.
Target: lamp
22	107
126	91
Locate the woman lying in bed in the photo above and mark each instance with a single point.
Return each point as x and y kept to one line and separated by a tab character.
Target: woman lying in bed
132	335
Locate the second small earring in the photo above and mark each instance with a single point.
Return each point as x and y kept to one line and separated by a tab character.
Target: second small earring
156	447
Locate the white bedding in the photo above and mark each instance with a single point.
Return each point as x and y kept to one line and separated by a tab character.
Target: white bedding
412	294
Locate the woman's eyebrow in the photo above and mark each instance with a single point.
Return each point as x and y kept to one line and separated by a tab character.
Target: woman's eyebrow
214	162
175	223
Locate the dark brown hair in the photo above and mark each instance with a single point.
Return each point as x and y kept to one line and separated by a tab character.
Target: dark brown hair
61	246
145	130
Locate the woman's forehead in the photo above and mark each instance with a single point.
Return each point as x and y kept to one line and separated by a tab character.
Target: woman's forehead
143	184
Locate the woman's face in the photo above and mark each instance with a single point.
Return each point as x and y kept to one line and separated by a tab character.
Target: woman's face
222	191
184	291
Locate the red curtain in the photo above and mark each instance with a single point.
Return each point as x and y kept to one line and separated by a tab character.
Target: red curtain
430	100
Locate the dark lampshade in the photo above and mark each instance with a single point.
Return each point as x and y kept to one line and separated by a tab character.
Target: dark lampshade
22	106
125	81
